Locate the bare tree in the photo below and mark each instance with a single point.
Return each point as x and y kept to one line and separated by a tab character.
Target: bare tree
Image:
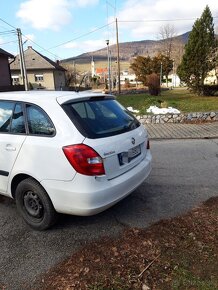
167	35
172	46
71	74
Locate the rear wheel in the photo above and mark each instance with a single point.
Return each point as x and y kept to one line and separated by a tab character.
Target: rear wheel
34	205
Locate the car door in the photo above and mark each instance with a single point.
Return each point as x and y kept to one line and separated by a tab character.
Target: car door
12	136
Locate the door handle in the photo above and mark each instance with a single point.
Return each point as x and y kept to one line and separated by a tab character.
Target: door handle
9	147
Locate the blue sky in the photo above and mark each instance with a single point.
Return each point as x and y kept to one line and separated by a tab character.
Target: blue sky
64	28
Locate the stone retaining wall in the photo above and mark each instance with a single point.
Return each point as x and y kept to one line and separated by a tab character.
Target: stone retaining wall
179	118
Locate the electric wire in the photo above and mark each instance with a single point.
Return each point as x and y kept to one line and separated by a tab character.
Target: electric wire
90	32
82	35
12	41
7	32
160	20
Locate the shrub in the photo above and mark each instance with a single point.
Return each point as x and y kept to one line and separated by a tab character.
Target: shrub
209	90
164	104
153	82
127	84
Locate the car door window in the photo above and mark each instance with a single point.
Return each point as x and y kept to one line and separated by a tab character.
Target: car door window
6	111
38	121
17	123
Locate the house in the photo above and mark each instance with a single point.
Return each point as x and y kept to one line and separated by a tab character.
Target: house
42	72
102	73
212	77
126	77
5	74
173	80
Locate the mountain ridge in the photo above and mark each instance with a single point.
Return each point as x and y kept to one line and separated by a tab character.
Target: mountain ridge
128	50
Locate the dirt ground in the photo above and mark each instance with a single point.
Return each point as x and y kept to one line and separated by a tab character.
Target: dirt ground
179	253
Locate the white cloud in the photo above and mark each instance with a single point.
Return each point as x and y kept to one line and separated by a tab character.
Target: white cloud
146	10
87	45
91	45
50	14
84	3
29	37
41	14
71	44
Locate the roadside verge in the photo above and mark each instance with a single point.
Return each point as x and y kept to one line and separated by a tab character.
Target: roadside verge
178	253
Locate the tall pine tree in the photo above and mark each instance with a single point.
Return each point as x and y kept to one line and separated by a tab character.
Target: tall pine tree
199	57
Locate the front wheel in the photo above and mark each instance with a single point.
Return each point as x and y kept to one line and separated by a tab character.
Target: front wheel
34	205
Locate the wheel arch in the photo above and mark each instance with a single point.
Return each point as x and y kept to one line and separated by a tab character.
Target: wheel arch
16	180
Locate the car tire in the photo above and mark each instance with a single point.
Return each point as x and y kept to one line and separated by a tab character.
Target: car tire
34	205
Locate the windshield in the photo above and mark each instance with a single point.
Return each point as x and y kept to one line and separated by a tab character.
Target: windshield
100	117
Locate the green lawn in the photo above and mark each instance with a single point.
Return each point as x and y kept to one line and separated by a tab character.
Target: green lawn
180	99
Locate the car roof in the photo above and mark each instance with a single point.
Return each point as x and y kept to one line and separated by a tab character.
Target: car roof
39	97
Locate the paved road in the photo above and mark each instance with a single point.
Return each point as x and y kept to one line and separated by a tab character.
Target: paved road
184	174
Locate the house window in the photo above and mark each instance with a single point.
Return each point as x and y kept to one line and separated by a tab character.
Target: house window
39	78
15	80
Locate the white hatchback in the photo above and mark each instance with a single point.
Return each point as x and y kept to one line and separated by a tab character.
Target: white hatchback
68	152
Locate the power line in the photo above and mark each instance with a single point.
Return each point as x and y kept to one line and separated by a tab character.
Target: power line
160	20
83	35
7	32
48	50
12	41
90	32
44	49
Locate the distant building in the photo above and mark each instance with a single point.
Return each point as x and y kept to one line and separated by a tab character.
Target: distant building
42	72
211	78
101	71
173	80
125	76
5	74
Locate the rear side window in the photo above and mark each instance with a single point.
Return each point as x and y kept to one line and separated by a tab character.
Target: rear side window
17	122
38	121
100	117
6	111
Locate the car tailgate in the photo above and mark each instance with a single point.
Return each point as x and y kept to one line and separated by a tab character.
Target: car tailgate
121	152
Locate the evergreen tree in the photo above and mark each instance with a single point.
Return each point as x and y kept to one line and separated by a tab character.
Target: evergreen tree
199	56
142	67
145	66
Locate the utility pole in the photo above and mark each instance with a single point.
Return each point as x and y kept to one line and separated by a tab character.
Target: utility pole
173	82
118	59
108	65
22	60
161	72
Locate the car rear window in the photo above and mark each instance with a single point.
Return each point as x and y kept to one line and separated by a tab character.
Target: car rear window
100	117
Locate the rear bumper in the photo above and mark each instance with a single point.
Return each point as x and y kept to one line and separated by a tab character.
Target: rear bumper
88	195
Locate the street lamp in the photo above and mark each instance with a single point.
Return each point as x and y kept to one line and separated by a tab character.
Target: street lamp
108	65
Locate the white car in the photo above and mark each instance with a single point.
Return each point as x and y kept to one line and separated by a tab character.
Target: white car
68	152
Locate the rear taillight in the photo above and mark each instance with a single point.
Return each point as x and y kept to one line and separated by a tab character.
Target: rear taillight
148	145
84	159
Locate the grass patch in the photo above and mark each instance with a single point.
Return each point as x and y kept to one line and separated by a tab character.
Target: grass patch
180	99
186	280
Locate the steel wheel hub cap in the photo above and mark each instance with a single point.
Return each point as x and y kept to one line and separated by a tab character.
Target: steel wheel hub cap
33	204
